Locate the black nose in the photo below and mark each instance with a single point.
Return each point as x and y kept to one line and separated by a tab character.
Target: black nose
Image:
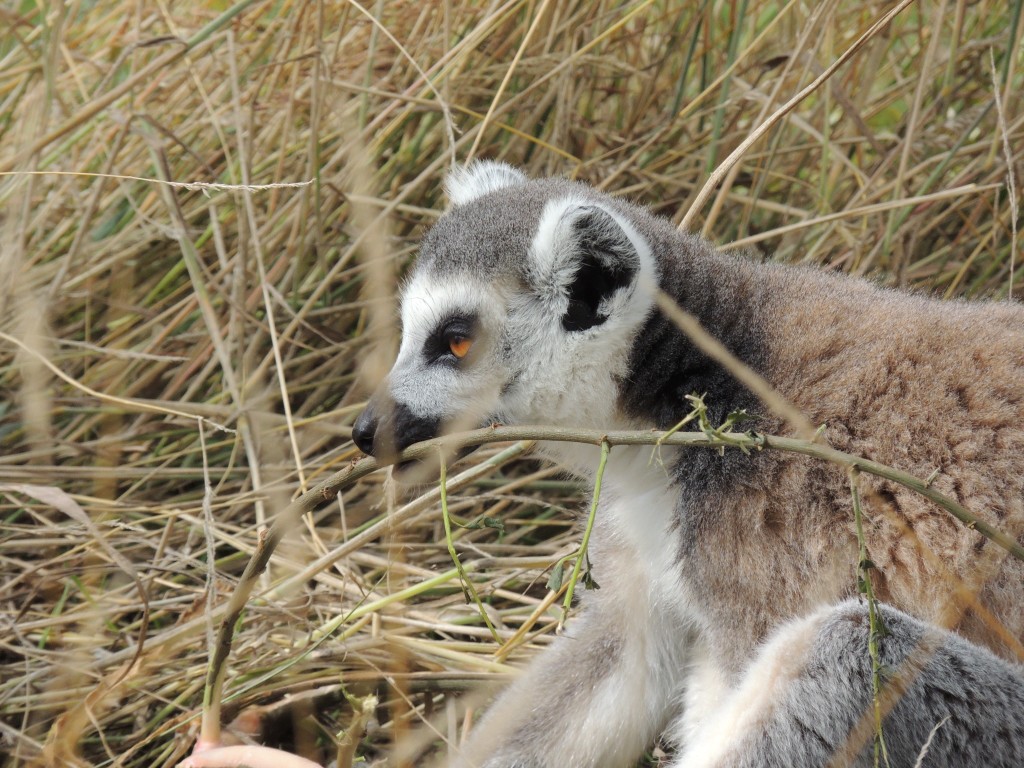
364	430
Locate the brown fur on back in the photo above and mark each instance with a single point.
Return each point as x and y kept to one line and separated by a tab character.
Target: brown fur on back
917	384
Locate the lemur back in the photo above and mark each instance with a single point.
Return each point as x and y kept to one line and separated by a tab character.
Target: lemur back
726	578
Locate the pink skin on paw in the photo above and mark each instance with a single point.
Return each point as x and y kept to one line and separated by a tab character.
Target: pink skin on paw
212	756
202	745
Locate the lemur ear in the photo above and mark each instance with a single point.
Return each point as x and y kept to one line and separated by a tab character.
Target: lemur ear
478	178
589	259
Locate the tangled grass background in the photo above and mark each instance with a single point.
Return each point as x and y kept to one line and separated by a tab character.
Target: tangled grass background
205	209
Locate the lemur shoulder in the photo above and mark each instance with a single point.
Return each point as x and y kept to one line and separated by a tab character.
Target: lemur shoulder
727	621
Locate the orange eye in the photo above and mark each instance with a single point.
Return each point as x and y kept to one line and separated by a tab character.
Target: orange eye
459	346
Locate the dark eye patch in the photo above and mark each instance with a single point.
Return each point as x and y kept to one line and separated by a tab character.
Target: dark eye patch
437	348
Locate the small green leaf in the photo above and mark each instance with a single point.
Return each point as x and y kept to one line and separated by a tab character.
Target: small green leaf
737	417
557	573
493	522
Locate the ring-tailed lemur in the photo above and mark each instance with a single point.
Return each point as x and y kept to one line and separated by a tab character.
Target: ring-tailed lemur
726	619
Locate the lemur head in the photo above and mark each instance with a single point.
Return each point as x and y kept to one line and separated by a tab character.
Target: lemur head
521	309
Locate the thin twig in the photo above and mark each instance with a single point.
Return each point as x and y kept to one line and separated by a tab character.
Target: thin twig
1011	173
876	630
746	375
200	186
581	556
751	441
446	518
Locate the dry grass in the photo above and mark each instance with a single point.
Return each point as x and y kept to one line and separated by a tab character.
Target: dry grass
180	362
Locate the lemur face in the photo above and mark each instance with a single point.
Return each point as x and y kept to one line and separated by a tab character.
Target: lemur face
521	309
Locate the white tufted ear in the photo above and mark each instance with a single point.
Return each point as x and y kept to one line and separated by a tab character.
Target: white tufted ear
478	178
582	257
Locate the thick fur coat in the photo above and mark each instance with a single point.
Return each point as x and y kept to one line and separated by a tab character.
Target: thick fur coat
726	619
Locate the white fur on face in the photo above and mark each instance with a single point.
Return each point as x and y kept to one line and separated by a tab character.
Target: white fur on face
464	393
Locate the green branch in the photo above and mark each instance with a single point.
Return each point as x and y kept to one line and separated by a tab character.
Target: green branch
582	554
876	629
467	585
746	441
